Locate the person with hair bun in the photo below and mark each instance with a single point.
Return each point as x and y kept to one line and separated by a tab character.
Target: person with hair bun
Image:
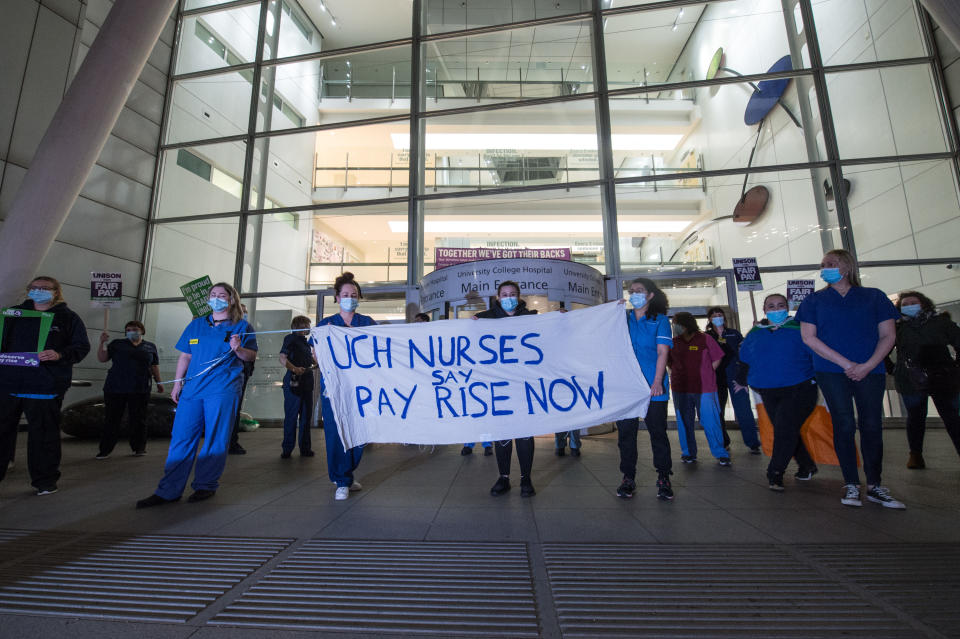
850	329
37	391
651	339
341	463
925	370
776	363
297	357
207	389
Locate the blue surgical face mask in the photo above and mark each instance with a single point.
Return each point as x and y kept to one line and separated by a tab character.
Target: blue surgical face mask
40	296
349	304
778	317
638	300
830	275
133	336
217	304
509	303
911	310
717	321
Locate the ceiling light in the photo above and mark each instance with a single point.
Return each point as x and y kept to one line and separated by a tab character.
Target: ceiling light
544	226
540	141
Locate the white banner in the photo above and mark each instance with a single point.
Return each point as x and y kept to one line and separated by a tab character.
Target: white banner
456	381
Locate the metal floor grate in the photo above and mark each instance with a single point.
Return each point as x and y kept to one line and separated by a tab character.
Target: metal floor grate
144	578
921	580
447	588
629	590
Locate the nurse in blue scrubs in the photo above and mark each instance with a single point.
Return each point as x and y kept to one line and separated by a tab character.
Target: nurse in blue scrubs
207	391
342	463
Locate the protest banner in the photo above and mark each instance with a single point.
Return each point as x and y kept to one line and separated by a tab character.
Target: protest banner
480	380
196	293
797	291
450	256
106	292
43	329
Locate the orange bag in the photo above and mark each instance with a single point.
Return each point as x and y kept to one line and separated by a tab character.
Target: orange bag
816	432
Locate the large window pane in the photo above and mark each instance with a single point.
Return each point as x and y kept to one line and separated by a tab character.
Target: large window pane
311	26
882	112
904	211
561	218
368	241
938	282
184	251
850	32
361	162
201	179
441	16
277	253
543	144
534	62
678	44
209	107
218	39
339	89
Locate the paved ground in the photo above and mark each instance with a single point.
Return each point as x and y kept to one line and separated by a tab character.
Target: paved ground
431	518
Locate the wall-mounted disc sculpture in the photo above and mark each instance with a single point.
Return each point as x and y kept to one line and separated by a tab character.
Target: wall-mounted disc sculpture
715	63
767	94
751	205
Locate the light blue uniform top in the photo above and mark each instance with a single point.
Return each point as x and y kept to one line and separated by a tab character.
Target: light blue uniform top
205	342
645	335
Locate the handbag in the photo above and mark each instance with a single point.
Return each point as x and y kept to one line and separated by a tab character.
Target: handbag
934	379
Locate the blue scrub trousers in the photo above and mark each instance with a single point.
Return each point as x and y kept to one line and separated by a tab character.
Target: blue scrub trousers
743	411
297	411
340	463
209	417
472	444
560	439
688	407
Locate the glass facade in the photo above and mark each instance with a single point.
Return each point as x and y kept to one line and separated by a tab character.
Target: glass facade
308	137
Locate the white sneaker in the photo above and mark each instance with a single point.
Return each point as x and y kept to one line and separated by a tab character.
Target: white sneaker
355	486
342	493
852	496
881	495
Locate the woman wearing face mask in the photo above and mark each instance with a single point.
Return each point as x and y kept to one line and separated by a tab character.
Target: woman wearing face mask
207	390
729	340
651	339
850	329
127	387
776	363
37	391
923	336
693	362
298	358
341	464
509	304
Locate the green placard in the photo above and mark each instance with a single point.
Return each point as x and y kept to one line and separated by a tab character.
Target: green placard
46	321
196	293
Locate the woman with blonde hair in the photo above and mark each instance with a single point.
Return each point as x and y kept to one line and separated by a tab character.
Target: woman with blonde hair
207	390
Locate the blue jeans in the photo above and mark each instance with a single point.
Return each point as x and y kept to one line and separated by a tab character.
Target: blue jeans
340	463
688	407
841	393
560	439
210	417
297	411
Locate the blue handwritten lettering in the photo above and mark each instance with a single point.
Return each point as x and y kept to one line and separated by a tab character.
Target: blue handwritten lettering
523	341
413	349
333	353
494	398
364	396
504	349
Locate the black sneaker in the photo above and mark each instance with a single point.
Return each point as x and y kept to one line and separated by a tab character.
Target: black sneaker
776	482
307	453
102	456
575	452
466	450
755	450
560	452
502	486
49	490
806	474
878	495
526	487
285	455
723	461
154	500
487	451
664	489
237	449
688	459
626	488
201	494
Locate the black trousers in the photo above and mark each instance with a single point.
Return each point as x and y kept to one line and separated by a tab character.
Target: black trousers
235	433
43	437
504	452
656	423
135	404
788	408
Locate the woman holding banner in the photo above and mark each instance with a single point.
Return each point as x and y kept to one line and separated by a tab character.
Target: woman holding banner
509	304
850	329
207	392
776	363
59	340
341	463
650	337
